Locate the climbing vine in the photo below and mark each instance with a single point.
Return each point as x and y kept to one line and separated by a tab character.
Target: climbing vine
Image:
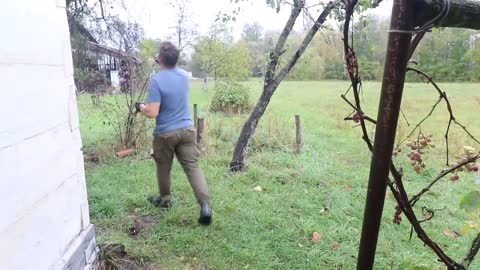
417	142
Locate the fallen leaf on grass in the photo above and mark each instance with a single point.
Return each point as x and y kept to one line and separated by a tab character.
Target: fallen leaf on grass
258	188
316	236
348	187
451	234
335	246
324	209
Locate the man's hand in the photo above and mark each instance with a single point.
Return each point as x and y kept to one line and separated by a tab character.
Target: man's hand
138	106
150	109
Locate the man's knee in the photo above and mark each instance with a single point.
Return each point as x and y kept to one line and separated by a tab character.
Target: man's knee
189	166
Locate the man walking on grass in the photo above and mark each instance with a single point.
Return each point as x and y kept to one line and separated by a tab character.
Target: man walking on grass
174	134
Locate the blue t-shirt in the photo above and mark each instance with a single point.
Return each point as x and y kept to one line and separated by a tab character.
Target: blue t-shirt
170	87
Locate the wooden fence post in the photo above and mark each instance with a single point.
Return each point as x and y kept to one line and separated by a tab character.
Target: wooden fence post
195	115
298	125
200	134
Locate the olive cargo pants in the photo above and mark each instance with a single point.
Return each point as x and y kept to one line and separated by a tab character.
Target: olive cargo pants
182	144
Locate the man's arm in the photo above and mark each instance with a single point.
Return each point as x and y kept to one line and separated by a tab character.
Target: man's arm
152	107
150	110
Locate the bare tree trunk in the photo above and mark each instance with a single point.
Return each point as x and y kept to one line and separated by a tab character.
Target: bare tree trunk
271	82
389	109
461	13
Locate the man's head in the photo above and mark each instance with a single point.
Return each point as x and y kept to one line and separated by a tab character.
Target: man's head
168	55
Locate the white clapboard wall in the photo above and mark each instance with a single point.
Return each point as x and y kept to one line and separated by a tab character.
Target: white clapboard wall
44	219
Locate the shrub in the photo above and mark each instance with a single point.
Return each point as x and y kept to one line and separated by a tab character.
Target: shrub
230	98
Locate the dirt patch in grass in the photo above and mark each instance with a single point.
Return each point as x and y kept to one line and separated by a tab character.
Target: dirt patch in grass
140	223
115	257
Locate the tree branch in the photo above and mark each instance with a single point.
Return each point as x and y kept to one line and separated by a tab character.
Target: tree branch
278	51
353	71
303	46
415	43
452	118
440	176
472	253
461	14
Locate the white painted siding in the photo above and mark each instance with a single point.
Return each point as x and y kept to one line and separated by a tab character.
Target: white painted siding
42	194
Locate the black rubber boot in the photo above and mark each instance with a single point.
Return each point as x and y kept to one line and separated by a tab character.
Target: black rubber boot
205	214
158	202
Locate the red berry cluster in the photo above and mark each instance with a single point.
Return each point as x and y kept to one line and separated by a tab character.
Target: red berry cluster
418	146
467	155
358	116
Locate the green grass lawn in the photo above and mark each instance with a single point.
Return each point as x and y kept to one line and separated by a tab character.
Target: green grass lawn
320	190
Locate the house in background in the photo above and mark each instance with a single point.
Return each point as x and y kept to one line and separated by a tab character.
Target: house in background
100	68
108	61
45	220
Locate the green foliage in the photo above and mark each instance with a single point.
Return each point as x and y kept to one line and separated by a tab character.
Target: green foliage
449	55
323	59
148	49
253	38
230	97
209	54
221	58
370	70
310	65
252	32
236	63
258	57
471	201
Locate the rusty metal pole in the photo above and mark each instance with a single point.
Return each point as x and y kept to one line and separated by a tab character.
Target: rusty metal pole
388	112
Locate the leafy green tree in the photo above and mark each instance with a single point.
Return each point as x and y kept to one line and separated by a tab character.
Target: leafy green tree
236	63
443	54
220	57
252	32
253	37
148	49
472	57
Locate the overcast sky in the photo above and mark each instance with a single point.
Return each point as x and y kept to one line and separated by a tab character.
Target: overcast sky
157	16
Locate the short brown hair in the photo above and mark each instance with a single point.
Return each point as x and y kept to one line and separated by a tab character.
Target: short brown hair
168	54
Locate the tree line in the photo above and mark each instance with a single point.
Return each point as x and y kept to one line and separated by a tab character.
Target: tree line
448	54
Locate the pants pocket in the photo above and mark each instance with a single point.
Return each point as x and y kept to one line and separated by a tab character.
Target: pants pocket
161	150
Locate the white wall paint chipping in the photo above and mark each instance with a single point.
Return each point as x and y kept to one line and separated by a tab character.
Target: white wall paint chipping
43	194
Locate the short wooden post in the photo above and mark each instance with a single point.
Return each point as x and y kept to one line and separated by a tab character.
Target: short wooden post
298	126
195	115
200	134
95	99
